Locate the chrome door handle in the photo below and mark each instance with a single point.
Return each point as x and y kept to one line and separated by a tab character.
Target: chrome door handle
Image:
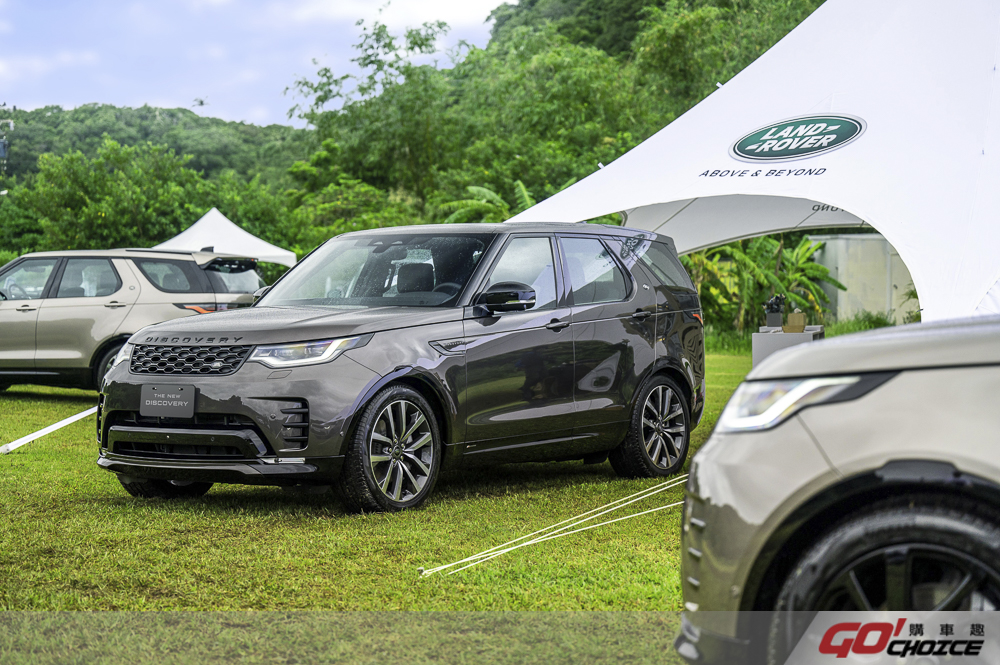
557	325
641	315
114	303
26	308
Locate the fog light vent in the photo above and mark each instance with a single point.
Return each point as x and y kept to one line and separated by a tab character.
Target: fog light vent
295	429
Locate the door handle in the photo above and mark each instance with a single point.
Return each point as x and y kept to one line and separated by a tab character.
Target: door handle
26	308
114	303
641	315
557	325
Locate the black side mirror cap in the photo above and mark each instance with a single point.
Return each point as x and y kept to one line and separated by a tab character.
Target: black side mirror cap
507	297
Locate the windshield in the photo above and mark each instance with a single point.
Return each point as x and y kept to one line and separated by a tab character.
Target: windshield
229	276
403	270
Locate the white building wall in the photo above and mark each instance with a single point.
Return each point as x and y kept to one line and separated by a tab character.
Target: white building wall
873	272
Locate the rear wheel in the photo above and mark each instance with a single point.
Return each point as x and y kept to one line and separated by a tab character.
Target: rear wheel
394	455
153	488
657	439
896	558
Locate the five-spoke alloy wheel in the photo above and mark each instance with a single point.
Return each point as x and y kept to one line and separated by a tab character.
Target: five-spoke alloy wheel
657	440
395	453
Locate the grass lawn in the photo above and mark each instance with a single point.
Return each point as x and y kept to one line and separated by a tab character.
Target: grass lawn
72	539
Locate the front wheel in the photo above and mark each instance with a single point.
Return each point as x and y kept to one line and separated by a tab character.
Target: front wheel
395	454
899	557
104	365
657	440
154	488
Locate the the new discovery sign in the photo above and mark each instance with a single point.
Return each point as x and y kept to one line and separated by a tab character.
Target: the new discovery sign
798	138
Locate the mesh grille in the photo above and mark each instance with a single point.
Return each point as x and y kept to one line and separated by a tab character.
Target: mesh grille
149	359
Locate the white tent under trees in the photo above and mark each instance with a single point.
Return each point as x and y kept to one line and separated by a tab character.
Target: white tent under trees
880	112
216	231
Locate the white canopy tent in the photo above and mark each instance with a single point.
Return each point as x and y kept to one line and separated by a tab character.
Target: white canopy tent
885	113
216	231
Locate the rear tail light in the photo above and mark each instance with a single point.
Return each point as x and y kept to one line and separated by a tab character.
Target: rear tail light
200	308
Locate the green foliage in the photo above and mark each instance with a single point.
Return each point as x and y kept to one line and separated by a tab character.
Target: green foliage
910	295
6	257
124	197
735	280
215	145
486	205
861	321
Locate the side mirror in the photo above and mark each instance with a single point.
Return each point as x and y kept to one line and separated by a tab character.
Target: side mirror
507	297
259	293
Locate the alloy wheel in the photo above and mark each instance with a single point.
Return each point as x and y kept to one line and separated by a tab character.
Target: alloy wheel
663	428
913	577
400	450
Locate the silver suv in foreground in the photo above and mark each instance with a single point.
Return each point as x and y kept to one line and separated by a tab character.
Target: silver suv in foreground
858	473
65	315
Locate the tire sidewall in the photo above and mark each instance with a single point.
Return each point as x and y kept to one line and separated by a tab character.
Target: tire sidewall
363	434
860	535
102	362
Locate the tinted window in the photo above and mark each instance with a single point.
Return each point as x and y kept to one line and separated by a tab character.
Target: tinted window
410	270
27	280
657	257
174	276
528	261
88	278
594	276
233	276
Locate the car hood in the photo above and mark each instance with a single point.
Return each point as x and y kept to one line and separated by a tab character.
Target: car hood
973	341
275	325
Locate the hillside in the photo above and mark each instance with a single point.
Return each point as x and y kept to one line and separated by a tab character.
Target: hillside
215	145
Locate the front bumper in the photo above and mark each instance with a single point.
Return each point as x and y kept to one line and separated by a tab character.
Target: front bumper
272	471
741	489
255	426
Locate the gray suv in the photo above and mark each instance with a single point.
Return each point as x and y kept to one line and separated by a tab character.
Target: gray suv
858	473
65	315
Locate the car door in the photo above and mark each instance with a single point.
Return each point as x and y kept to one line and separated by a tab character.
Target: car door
614	329
519	393
86	306
23	286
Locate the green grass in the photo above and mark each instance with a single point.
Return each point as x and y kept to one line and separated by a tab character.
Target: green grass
71	539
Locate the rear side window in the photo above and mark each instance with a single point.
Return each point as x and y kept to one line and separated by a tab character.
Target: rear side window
593	274
88	278
174	276
656	256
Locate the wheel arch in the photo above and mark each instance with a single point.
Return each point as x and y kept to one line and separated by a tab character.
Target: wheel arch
801	529
105	346
444	408
670	368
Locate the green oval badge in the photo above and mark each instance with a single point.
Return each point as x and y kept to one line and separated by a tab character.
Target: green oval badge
797	138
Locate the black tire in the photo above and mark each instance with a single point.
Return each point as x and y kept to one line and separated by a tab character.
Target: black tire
381	472
152	488
932	547
103	365
634	457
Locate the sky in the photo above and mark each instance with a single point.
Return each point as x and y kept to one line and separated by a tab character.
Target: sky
236	55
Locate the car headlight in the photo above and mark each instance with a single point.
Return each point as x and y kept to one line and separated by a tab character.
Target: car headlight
758	405
304	353
124	354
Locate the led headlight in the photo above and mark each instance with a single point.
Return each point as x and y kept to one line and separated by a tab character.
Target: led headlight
758	405
304	353
124	354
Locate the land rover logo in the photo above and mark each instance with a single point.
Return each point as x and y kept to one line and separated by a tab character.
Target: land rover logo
797	138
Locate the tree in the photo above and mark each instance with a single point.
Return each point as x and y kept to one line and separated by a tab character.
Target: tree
486	206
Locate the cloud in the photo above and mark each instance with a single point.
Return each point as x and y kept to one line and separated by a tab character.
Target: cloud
21	66
396	15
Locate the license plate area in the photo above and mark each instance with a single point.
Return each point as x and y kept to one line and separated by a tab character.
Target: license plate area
167	401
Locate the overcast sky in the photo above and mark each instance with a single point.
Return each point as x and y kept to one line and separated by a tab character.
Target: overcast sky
237	55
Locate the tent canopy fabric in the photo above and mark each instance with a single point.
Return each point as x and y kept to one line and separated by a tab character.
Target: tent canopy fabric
216	231
909	102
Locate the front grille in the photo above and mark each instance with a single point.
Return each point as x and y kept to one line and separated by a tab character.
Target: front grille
176	451
151	359
254	443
